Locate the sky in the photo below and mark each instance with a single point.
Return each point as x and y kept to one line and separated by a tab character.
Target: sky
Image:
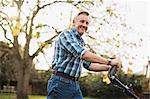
136	14
138	17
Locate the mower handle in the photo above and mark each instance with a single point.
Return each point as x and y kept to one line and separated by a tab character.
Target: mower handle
114	80
112	72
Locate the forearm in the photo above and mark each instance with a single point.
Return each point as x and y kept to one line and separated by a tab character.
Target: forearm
89	56
98	67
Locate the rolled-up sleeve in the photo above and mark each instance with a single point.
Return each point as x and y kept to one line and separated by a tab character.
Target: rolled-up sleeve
68	42
86	64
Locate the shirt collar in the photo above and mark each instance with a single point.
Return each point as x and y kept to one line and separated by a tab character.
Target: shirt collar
74	30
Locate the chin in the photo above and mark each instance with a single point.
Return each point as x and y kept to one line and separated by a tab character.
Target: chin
81	33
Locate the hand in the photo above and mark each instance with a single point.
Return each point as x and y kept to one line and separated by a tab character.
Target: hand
117	62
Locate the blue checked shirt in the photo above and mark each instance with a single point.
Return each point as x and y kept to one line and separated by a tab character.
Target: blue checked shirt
68	51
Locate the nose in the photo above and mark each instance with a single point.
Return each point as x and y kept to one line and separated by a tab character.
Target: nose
85	24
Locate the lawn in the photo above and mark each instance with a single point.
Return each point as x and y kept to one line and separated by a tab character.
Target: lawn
13	96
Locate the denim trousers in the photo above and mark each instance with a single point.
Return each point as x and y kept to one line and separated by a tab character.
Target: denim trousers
59	87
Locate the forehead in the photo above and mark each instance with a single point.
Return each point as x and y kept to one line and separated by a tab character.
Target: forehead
83	17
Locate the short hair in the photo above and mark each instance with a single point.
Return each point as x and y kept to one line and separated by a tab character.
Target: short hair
83	12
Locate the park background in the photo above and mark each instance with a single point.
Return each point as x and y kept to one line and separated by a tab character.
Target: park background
29	28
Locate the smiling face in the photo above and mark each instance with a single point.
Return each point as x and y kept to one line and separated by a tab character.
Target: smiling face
81	23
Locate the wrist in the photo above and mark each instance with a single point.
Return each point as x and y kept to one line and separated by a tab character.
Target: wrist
108	61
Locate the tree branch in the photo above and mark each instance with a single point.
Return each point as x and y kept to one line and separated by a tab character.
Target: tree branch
45	43
5	31
38	8
50	4
28	37
19	3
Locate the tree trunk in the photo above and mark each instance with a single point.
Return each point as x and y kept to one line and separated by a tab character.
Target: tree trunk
23	76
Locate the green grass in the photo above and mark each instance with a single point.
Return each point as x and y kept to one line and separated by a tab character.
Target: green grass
36	97
7	96
13	96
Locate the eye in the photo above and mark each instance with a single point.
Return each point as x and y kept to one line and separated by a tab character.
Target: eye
87	23
82	21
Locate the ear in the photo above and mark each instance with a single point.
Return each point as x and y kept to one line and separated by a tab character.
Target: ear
73	22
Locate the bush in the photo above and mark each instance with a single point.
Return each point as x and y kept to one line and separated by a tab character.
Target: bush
92	86
39	87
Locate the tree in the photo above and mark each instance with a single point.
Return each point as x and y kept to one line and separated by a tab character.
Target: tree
6	67
21	58
26	25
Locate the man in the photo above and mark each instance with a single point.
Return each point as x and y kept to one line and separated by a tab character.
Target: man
69	56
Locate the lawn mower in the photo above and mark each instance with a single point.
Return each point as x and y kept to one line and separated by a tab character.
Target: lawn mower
112	75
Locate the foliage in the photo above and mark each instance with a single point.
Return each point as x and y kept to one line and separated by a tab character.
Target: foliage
26	22
38	81
39	87
93	86
6	67
40	75
24	25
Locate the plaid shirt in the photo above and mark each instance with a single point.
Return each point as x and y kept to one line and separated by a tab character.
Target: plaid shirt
68	51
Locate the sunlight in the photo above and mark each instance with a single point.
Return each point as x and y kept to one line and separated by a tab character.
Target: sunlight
136	13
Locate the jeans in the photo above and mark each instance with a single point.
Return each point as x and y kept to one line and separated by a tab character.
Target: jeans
59	87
